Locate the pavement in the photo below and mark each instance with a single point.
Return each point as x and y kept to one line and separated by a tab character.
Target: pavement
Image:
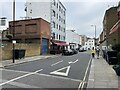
101	73
7	63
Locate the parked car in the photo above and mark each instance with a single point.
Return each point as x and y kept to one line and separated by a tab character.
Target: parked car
67	52
74	51
82	50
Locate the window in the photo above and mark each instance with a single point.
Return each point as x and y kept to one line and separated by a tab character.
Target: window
64	29
59	37
59	18
2	23
54	2
53	13
64	21
57	5
53	35
53	24
31	11
59	27
57	15
64	13
63	37
59	8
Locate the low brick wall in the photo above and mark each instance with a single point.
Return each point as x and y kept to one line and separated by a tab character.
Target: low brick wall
31	50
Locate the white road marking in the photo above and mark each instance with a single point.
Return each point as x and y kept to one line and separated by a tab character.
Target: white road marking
22	85
57	72
65	78
73	62
83	81
57	63
76	80
20	77
16	71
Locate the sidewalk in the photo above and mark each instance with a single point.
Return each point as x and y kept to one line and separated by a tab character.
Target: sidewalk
102	75
6	63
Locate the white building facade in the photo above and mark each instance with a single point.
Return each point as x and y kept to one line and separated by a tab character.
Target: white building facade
89	44
52	11
73	39
3	25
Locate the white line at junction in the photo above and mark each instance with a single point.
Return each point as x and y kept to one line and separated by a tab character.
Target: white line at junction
57	63
21	77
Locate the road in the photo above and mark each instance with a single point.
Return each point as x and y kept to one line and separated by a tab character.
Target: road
60	72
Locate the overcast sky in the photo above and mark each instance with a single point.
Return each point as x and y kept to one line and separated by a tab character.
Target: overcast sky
80	14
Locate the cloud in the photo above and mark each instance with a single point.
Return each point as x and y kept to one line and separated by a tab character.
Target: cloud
81	15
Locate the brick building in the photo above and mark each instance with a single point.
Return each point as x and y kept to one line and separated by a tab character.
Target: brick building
115	30
32	31
110	18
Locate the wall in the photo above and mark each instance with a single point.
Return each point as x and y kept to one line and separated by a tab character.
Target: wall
31	50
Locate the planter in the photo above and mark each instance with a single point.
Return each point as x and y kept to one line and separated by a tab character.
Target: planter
117	70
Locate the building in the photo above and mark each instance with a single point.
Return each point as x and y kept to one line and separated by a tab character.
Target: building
115	30
52	11
110	18
3	26
83	39
89	44
32	31
0	37
3	23
73	39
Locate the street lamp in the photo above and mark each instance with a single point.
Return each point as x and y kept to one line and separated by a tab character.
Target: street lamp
14	31
95	33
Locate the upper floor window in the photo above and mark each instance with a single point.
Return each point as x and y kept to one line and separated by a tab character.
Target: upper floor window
53	35
59	27
64	21
3	22
64	13
59	8
57	15
54	2
57	5
59	37
63	37
53	24
59	18
53	13
64	29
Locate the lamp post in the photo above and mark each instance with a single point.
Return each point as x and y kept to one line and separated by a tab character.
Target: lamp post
13	31
95	33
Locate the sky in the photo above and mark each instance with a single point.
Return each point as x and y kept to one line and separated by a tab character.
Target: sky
80	14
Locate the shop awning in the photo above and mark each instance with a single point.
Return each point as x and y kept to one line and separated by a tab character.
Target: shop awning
61	44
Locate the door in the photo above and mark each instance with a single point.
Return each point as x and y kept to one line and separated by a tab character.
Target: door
44	46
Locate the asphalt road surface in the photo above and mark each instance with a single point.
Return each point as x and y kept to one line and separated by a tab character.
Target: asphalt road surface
63	72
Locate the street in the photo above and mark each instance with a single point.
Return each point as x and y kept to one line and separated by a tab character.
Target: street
60	72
